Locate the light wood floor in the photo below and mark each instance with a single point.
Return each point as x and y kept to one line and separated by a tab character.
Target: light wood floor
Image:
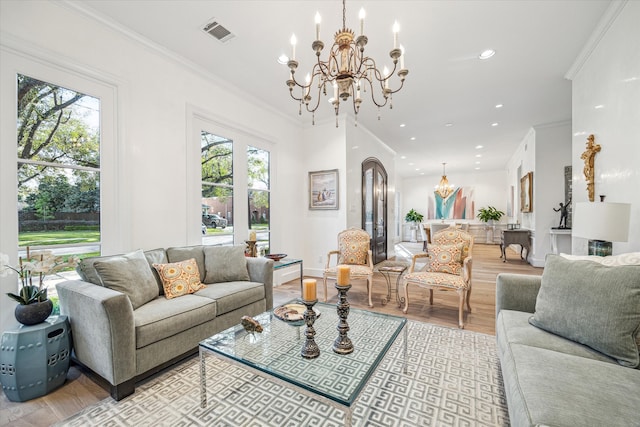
80	392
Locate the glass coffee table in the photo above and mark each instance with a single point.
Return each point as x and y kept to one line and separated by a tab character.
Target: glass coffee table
331	378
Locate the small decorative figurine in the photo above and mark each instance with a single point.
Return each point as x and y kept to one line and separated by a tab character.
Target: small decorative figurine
251	325
563	214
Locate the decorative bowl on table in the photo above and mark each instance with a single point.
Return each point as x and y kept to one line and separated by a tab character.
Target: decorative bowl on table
293	313
276	257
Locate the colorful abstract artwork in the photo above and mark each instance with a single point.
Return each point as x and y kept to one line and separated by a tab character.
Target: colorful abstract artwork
458	205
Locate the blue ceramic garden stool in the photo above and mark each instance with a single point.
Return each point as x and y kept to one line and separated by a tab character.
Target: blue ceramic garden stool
34	360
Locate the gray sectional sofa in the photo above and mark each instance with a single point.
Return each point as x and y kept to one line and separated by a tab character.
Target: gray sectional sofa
579	364
124	325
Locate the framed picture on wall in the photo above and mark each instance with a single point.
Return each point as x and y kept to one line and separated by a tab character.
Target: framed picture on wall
323	189
526	193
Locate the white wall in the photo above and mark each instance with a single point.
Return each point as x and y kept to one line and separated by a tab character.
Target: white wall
609	79
489	189
154	97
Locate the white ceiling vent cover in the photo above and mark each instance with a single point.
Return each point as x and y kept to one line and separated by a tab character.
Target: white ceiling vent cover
216	30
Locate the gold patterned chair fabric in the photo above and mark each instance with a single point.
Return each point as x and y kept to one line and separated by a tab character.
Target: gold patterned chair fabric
354	251
448	266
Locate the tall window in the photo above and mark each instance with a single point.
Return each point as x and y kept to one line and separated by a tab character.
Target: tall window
217	189
258	175
58	154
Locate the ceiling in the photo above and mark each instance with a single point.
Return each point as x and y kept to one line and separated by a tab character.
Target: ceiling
536	43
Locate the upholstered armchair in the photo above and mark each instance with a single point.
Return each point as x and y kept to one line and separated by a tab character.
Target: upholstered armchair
448	266
354	251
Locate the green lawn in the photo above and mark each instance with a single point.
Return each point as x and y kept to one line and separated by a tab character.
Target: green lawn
43	238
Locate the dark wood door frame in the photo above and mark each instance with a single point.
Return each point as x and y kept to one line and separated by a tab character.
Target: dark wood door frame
376	224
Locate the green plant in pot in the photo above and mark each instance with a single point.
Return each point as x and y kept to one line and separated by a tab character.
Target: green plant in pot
33	305
489	213
413	216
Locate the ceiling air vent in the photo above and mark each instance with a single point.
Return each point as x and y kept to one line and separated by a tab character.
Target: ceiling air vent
218	31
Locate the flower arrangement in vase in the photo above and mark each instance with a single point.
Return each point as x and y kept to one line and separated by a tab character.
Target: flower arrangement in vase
33	305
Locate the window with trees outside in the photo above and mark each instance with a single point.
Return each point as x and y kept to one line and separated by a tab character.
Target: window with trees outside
216	154
258	174
58	155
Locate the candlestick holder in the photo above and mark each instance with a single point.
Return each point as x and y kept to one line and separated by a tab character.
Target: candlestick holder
343	344
310	349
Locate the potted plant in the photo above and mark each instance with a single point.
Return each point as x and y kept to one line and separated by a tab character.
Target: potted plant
414	218
33	305
488	215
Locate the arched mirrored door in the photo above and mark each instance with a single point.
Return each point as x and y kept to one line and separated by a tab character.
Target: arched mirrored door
374	206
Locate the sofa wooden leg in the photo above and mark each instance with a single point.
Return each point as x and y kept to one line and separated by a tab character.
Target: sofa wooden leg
122	390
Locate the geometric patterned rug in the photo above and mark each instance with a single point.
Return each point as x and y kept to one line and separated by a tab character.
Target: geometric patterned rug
453	379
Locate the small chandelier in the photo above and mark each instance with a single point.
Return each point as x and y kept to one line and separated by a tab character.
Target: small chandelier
347	71
444	189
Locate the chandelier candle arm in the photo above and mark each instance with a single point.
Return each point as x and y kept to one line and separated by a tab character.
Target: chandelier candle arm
347	69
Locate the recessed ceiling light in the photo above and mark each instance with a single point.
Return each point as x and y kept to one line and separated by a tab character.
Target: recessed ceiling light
448	124
355	147
487	54
417	169
421	173
402	125
499	105
479	147
477	169
478	155
283	59
403	157
597	107
411	164
494	124
413	138
477	163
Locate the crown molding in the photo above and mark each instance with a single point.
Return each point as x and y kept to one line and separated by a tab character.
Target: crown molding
598	33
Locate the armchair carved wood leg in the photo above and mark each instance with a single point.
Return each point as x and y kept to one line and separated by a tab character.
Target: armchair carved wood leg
369	286
468	298
405	290
325	288
461	293
430	296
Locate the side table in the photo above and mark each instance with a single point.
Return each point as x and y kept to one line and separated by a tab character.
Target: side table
34	360
387	268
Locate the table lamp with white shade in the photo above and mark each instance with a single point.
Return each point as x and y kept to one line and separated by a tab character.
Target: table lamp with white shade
601	223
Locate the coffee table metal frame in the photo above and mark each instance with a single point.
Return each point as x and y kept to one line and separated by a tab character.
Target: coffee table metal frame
275	354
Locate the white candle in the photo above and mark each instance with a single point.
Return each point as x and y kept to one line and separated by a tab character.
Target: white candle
335	91
396	29
308	87
385	72
402	58
361	15
252	235
293	46
344	273
318	19
309	290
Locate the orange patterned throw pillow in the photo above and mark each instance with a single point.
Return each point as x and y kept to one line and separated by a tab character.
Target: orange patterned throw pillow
353	252
445	258
179	278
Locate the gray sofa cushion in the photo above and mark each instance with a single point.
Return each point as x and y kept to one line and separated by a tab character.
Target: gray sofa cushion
549	388
512	327
163	318
592	304
129	274
232	295
157	256
187	252
225	264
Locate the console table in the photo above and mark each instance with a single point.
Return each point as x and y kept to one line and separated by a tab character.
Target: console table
514	237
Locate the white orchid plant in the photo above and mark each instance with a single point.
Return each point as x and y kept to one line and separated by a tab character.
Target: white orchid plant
37	265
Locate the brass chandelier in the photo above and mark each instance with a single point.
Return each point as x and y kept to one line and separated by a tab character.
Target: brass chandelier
347	71
444	189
